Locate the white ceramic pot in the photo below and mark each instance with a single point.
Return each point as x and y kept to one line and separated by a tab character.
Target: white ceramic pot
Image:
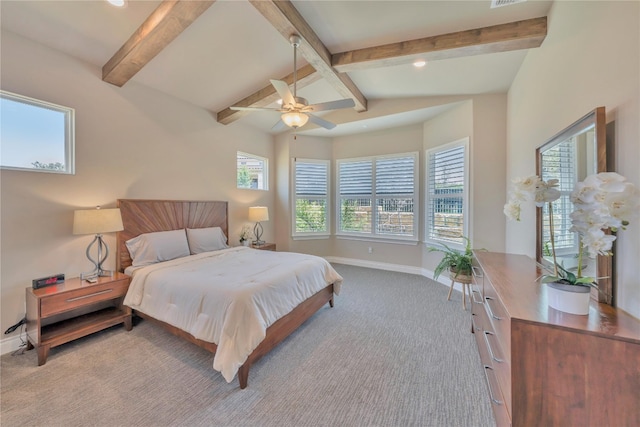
569	298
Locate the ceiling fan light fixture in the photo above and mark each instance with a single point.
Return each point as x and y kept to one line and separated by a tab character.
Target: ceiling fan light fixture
118	3
295	119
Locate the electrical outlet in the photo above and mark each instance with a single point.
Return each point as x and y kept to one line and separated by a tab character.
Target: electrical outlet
370	249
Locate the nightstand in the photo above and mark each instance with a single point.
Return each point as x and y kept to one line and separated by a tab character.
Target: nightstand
265	247
73	309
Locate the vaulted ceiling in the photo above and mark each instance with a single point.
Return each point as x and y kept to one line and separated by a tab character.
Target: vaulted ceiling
218	54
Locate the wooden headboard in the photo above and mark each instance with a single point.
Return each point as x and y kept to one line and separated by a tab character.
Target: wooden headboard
147	216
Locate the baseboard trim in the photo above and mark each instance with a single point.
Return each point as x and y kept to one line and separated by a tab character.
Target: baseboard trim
394	267
11	344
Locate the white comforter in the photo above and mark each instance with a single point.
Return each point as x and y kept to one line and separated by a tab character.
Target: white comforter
229	297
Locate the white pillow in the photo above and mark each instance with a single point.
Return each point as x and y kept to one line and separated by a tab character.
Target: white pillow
206	239
150	248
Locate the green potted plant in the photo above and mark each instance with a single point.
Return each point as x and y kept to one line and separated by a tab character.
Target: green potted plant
457	262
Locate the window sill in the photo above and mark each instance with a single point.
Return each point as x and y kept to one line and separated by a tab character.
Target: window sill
312	237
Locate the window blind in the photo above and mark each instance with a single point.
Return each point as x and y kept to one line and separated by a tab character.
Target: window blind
311	179
311	192
395	175
376	196
356	177
560	163
446	194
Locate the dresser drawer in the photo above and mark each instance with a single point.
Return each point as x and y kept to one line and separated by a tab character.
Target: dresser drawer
499	317
500	397
81	297
477	279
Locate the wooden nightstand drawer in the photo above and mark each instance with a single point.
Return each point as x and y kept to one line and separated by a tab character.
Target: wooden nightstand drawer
61	313
70	300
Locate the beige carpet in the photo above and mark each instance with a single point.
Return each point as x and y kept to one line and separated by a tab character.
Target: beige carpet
393	352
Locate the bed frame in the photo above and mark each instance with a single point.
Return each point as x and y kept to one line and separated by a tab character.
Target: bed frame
146	216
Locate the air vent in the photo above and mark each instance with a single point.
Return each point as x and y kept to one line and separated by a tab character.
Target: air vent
500	3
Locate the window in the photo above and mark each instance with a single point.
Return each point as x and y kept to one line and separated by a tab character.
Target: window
36	135
252	171
447	193
560	163
311	197
376	196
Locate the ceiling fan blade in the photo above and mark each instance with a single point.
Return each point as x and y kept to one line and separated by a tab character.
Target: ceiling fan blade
253	109
331	105
285	93
280	125
320	122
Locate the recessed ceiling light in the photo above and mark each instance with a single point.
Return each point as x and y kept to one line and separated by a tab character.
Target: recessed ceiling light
419	64
118	3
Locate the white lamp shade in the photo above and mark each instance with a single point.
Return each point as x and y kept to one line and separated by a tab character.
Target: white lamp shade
96	221
258	213
295	119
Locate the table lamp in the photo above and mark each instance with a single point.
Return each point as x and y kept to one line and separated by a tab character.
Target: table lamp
258	214
97	221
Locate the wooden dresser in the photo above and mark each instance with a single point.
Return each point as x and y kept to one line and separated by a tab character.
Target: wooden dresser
548	368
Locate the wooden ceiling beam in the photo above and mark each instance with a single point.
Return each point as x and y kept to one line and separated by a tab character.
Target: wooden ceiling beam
287	20
525	34
267	95
166	23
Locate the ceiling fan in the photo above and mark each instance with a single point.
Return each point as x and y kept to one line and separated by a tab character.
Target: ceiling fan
296	111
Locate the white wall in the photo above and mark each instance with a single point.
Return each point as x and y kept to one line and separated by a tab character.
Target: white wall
589	59
131	142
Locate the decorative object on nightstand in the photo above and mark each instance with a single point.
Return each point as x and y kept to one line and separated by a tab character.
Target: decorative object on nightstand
258	214
97	221
73	309
244	235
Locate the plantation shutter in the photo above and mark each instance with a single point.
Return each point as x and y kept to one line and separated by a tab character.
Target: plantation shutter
395	176
560	163
311	197
446	190
355	178
311	179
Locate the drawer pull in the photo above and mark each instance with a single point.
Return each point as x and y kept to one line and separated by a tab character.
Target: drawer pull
106	291
475	270
473	323
473	296
493	399
491	311
491	353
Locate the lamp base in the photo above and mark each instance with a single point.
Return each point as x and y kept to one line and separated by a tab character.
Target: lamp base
95	273
103	253
258	242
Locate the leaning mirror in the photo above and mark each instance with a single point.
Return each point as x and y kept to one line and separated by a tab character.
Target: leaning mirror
570	156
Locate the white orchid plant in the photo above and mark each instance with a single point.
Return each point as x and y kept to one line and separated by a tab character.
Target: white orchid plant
245	232
534	187
605	201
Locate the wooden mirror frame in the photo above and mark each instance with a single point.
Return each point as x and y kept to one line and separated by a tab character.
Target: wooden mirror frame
604	264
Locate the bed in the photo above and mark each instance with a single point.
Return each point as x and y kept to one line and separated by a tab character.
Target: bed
237	303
